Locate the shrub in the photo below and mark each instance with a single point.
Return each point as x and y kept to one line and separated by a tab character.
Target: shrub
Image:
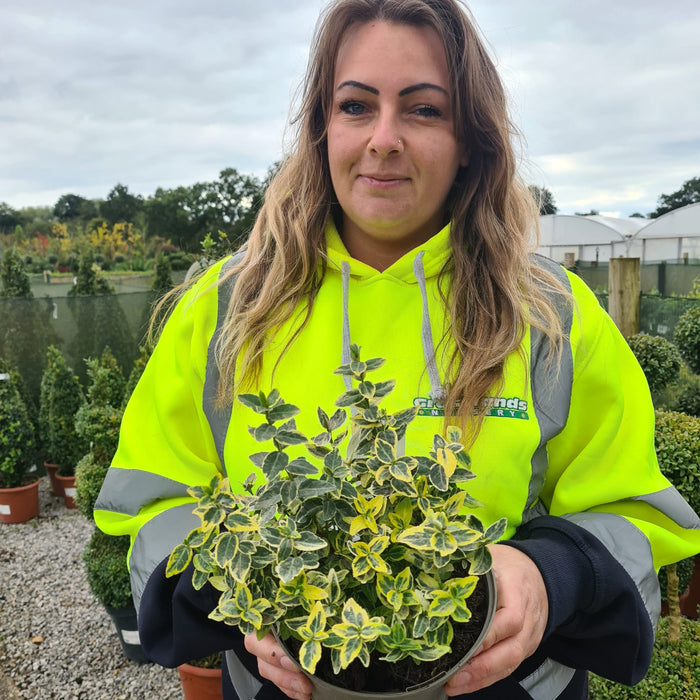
15	281
682	395
659	359
162	281
687	337
106	380
65	446
105	565
89	475
677	439
674	673
136	372
16	435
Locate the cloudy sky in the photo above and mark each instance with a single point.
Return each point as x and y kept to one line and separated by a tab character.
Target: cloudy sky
170	92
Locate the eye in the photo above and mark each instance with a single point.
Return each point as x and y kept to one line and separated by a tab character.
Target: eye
352	107
427	111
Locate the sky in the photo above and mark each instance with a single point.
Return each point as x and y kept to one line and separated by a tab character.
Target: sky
170	92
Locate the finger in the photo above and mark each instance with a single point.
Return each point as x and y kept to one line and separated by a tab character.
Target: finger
487	668
277	667
266	648
505	624
293	683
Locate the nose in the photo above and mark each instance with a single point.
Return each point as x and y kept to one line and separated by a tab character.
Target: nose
385	139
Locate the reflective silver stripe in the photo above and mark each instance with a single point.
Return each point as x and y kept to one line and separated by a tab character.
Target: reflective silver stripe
548	681
128	490
245	683
673	506
550	386
631	548
155	540
218	419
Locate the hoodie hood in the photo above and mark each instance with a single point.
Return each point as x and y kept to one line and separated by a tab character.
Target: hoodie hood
436	251
413	268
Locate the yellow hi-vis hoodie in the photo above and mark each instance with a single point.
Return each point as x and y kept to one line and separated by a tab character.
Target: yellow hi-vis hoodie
574	441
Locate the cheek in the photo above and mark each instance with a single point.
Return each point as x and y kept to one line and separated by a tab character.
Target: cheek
339	155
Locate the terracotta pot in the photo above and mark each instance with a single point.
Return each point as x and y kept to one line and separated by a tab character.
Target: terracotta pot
200	683
56	487
429	690
68	487
19	504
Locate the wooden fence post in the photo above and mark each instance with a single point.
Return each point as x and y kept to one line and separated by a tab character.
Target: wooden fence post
623	294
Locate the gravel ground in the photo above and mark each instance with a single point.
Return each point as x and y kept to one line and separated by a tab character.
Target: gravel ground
56	640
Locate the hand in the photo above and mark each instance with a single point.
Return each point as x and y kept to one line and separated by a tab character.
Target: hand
277	667
518	624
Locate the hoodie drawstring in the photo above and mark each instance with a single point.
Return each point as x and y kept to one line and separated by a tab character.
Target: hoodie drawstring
437	393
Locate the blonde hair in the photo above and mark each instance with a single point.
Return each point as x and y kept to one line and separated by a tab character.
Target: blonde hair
491	288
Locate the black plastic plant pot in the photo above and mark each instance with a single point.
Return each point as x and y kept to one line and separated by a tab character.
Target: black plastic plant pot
124	620
429	690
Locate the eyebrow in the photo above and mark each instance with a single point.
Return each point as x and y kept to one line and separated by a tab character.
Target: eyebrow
406	91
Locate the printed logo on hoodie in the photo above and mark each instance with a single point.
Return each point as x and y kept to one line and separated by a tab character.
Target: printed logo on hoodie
496	406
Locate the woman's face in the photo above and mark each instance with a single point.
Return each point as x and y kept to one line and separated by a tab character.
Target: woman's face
392	148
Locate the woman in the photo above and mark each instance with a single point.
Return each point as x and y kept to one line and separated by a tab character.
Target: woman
398	222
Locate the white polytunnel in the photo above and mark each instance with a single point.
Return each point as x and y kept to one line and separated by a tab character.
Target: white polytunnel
673	237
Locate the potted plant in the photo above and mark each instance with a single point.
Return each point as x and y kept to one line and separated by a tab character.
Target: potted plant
97	422
201	678
369	559
19	491
108	577
65	446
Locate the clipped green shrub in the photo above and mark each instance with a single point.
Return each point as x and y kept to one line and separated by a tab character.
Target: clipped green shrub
89	475
65	447
48	379
89	281
163	280
17	446
15	281
136	372
677	440
689	400
683	395
674	673
659	359
687	336
106	380
98	426
105	566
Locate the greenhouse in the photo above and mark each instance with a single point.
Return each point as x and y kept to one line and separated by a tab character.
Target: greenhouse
673	237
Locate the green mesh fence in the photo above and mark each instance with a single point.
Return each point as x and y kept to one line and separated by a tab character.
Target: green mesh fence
80	327
658	315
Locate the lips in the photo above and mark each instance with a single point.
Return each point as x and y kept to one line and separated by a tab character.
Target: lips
383	181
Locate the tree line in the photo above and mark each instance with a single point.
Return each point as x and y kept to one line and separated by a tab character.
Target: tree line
184	218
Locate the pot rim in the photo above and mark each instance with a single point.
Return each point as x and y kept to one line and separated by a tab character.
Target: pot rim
26	487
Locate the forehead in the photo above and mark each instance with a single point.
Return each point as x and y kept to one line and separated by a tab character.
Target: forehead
391	53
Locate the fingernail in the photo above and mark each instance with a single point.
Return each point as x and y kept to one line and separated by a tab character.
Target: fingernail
464	678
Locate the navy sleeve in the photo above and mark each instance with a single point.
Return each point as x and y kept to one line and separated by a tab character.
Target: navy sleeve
597	618
174	626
